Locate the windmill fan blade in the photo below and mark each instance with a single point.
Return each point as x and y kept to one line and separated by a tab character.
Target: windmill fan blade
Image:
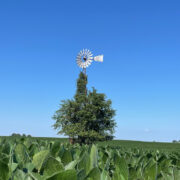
85	58
98	58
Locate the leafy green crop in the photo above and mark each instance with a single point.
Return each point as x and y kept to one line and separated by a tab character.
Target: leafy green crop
41	159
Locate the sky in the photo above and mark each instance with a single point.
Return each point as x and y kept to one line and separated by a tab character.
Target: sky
140	41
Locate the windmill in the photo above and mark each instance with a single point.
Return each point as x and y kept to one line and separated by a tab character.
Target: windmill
85	58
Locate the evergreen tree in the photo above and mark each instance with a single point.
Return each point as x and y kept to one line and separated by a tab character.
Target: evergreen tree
87	117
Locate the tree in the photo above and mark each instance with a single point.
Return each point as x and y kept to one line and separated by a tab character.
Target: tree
87	117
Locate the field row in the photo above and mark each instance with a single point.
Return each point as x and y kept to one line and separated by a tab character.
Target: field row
35	159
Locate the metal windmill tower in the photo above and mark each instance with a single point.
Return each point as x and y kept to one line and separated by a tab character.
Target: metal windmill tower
85	58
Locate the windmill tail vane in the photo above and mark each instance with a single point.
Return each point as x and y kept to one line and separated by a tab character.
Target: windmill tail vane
85	58
99	58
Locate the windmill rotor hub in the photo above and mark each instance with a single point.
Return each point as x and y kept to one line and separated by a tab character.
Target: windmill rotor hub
84	58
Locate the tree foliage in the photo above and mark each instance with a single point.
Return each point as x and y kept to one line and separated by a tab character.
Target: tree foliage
87	117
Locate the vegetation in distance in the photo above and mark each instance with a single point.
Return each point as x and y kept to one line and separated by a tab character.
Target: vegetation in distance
163	146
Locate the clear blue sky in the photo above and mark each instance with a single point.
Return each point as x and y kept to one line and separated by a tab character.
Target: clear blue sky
140	40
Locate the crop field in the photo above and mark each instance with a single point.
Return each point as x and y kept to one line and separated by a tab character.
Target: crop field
55	159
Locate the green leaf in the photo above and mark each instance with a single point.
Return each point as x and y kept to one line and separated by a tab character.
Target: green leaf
121	167
95	174
4	171
13	166
116	175
6	148
36	176
33	149
55	149
84	163
150	170
173	173
51	166
176	173
105	175
29	166
65	175
132	173
93	157
164	165
39	158
81	174
20	153
71	165
18	175
66	157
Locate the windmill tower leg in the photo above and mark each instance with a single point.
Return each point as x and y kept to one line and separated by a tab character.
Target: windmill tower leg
84	71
